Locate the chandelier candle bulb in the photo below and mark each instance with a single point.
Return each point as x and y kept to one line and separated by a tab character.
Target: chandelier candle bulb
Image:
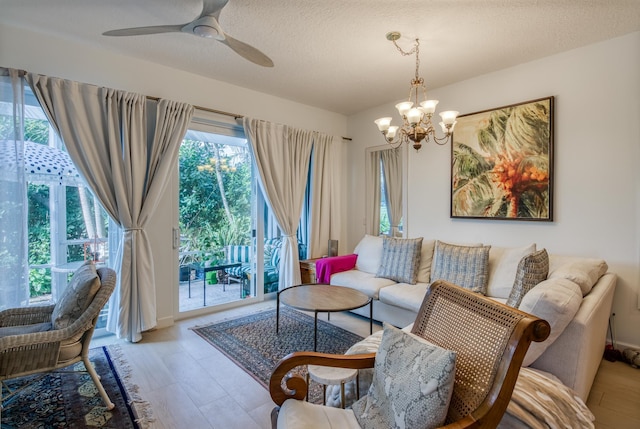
429	106
391	132
414	116
383	123
404	107
449	117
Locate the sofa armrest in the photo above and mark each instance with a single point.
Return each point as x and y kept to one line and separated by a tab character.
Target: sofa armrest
335	264
576	355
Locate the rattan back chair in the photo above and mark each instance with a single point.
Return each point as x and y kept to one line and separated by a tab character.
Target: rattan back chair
489	338
41	352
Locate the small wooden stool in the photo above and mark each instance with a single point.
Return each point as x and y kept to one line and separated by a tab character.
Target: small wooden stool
327	375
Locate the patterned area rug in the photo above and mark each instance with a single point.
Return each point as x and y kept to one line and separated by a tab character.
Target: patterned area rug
70	399
251	341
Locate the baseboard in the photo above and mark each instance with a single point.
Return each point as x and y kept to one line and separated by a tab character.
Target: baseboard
621	346
165	322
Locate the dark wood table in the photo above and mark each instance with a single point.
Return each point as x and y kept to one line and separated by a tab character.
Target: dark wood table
217	266
321	298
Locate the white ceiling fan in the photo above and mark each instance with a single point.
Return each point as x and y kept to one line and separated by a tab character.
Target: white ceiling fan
205	25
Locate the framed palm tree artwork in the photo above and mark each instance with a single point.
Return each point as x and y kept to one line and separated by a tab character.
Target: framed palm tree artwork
502	163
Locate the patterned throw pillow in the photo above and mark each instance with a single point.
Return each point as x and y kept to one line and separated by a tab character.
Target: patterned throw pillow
465	266
76	297
412	384
400	259
532	269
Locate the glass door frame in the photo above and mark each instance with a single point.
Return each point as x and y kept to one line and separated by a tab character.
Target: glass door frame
203	121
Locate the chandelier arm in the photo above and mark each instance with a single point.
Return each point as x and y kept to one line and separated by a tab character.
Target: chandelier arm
395	142
442	140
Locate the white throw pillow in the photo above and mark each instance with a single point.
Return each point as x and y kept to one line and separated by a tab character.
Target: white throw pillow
584	272
369	252
503	265
556	301
426	258
412	384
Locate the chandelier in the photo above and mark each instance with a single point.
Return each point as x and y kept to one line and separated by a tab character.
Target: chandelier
416	115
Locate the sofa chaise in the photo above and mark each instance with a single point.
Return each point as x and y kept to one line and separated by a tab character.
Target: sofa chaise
574	296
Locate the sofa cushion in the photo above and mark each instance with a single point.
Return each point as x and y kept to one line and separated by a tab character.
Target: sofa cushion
296	414
400	259
271	251
503	264
426	260
585	272
403	295
532	270
366	283
465	266
238	253
369	252
76	297
556	301
412	383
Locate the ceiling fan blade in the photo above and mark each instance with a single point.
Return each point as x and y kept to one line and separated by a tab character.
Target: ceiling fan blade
247	51
212	7
140	31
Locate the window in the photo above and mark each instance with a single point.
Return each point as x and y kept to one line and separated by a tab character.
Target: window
65	222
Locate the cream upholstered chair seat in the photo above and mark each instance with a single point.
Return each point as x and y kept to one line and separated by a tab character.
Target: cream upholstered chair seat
302	414
490	341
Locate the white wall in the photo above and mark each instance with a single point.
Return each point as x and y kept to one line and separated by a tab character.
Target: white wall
53	56
597	154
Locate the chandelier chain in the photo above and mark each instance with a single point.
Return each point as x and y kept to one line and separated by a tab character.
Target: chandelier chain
415	50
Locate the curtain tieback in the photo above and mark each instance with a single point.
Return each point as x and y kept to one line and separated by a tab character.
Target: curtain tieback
133	229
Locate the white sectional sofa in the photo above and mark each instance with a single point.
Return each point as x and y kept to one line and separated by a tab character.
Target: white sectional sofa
575	299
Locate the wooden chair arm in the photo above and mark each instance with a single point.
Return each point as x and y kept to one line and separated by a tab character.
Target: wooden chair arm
296	385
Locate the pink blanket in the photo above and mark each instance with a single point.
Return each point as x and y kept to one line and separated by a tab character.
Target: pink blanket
327	266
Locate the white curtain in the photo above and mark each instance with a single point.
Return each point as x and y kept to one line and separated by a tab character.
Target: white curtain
14	264
281	154
126	151
325	194
392	170
373	197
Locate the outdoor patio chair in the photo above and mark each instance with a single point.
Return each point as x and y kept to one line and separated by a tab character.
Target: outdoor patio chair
490	340
41	339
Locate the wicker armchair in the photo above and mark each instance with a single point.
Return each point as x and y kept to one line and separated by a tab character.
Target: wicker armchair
491	340
38	352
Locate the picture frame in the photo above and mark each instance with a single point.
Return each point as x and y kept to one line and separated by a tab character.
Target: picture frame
502	163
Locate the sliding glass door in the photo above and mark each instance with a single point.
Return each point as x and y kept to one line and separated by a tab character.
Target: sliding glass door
216	202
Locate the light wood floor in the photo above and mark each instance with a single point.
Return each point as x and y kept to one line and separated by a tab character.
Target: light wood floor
190	384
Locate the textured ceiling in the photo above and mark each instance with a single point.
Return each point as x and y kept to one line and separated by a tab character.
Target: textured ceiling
333	54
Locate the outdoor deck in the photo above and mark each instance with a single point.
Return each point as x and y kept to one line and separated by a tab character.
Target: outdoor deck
215	294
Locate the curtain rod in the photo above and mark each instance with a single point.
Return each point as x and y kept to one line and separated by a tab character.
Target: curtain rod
206	109
222	112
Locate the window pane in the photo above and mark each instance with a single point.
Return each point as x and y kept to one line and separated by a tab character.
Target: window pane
39	230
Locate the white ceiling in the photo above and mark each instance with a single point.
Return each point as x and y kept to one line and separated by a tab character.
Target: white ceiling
333	54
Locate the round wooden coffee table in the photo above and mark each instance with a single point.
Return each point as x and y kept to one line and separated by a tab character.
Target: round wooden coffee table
321	298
